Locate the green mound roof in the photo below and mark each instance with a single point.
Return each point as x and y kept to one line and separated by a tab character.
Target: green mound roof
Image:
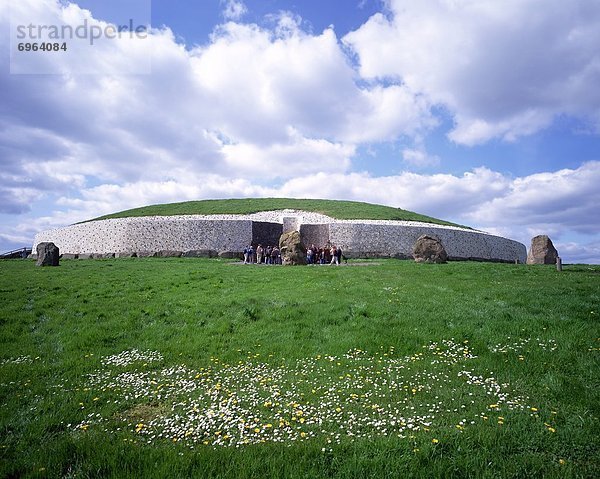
344	210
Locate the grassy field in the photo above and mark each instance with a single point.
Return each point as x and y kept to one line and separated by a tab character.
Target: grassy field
203	368
345	210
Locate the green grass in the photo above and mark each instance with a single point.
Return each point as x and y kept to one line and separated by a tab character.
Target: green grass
321	370
345	210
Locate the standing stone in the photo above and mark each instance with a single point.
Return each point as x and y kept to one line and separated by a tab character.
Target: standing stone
542	251
429	249
293	252
47	254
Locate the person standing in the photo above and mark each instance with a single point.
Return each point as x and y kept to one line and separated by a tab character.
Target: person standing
268	254
338	253
259	254
334	256
275	255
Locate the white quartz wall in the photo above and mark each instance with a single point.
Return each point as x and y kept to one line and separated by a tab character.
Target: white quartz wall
231	233
398	240
150	234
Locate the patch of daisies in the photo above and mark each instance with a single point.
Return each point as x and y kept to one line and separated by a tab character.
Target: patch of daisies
334	398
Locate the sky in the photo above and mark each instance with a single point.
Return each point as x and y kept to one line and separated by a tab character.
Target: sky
480	112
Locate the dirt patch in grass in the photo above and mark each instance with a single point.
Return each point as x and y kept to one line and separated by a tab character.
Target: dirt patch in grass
141	413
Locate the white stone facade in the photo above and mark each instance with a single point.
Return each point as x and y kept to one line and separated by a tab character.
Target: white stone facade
232	233
375	240
150	234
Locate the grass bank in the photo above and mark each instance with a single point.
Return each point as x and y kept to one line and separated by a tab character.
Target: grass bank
185	367
344	210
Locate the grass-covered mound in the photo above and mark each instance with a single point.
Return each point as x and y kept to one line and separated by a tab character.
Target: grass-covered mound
344	210
200	368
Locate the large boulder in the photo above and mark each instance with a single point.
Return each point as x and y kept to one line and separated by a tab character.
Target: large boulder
429	249
47	254
542	251
293	252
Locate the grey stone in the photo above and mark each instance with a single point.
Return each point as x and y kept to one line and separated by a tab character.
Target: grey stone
169	254
125	254
317	234
146	254
230	255
47	254
293	252
429	249
69	256
542	251
201	253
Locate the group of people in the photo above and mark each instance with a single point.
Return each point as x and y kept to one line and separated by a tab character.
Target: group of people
260	255
329	254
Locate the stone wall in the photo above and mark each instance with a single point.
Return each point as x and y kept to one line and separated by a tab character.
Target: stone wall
150	234
230	234
291	223
387	240
314	234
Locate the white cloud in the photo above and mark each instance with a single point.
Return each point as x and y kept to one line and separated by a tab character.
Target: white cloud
504	69
564	200
588	253
233	9
293	158
230	103
418	157
264	82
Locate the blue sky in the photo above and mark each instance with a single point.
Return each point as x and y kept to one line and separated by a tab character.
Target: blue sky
485	113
